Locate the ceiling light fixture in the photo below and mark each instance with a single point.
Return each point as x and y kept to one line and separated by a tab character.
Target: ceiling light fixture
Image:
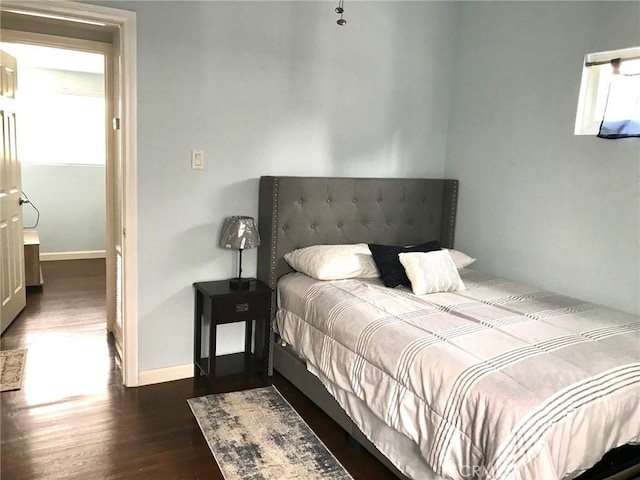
340	10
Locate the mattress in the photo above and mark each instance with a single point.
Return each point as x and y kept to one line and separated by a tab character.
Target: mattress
500	380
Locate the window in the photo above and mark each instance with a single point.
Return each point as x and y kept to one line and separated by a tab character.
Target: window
61	105
594	90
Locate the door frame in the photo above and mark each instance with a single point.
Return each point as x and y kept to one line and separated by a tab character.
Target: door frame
124	24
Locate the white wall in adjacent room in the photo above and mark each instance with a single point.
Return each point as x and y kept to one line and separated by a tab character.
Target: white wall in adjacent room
71	201
60	126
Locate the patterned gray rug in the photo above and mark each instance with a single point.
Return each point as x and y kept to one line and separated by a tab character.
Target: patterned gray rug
11	369
257	435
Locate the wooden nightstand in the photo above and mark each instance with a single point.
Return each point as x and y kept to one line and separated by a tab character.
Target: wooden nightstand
216	303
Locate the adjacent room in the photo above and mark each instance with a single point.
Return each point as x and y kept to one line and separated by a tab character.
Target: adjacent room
487	139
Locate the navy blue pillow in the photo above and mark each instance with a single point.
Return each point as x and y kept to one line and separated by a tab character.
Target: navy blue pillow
391	270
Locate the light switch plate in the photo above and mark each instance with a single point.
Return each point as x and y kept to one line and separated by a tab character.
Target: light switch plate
197	159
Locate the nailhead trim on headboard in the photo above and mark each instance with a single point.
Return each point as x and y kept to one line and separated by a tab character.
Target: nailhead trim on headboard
274	232
272	269
452	212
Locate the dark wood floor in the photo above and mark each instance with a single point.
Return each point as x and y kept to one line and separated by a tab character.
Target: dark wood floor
73	419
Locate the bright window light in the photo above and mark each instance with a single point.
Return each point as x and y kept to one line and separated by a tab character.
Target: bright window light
596	78
61	106
61	129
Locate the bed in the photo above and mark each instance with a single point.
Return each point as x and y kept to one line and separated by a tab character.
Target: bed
498	379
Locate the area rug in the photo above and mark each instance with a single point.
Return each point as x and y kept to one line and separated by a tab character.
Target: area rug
11	369
257	435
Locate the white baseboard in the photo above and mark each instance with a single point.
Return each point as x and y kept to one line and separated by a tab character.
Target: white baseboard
50	256
166	374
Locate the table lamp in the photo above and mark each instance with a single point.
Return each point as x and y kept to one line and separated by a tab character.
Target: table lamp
239	233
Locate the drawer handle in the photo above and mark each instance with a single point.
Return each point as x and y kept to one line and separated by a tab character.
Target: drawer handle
242	307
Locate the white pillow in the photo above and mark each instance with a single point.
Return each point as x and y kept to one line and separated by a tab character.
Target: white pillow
431	272
461	260
334	262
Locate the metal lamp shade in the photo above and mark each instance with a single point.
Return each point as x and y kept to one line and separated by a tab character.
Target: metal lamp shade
239	233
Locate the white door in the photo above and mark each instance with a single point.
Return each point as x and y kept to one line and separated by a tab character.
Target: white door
11	235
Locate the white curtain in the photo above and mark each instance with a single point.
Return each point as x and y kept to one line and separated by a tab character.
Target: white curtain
622	112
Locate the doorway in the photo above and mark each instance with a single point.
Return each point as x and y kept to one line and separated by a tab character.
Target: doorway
61	144
62	148
76	26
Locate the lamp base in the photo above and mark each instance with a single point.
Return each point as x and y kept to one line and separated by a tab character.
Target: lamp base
240	283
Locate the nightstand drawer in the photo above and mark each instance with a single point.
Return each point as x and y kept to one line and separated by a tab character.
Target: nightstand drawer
240	308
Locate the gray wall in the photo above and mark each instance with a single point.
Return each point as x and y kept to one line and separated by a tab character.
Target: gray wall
71	200
538	204
278	88
268	88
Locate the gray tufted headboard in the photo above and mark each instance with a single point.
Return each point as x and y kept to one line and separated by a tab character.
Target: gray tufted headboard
297	212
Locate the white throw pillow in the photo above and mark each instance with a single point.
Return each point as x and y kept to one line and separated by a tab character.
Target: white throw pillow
334	262
431	272
461	260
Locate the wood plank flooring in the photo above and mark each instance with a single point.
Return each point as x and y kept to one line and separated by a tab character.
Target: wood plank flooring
73	419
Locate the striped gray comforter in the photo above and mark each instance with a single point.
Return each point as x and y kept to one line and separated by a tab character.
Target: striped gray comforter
499	381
